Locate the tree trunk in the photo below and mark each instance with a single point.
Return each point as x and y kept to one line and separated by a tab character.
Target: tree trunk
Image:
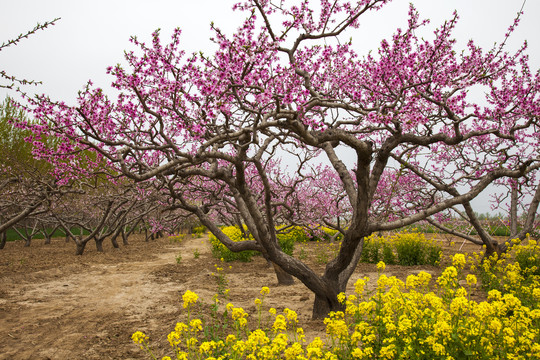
80	247
114	242
115	236
47	238
124	237
513	212
99	244
3	239
283	277
324	305
492	246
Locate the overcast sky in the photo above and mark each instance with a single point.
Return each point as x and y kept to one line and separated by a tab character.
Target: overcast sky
92	35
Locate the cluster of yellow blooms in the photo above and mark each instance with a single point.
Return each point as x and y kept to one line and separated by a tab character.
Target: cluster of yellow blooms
412	319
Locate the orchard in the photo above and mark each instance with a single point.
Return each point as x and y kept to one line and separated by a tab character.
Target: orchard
257	137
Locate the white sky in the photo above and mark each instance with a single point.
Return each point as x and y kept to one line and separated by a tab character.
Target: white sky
92	35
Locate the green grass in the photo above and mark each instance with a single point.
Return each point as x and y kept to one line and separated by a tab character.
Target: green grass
13	236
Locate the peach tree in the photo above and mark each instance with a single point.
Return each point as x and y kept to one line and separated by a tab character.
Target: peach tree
213	130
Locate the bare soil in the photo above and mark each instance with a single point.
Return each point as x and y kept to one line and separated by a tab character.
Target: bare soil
56	305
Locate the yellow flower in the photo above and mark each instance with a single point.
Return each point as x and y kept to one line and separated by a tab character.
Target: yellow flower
280	324
471	280
294	351
139	337
196	325
292	317
404	324
448	277
439	349
494	295
495	326
357	353
459	261
536	293
341	297
265	290
189	298
336	328
359	286
388	352
238	313
381	266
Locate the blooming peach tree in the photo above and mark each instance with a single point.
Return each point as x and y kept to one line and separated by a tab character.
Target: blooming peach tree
210	130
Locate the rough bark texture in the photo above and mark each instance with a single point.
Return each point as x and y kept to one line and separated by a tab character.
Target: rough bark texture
3	239
513	212
79	250
99	244
283	277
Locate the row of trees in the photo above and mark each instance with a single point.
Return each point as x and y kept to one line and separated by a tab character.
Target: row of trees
34	201
209	134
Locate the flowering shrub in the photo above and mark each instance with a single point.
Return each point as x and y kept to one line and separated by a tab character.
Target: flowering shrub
403	249
415	319
377	248
325	233
286	239
528	258
515	272
220	251
198	231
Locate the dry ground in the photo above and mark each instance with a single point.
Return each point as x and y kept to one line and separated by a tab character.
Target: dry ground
55	305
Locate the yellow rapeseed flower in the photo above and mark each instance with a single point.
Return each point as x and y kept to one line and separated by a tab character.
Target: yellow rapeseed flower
140	338
471	280
265	290
459	261
189	298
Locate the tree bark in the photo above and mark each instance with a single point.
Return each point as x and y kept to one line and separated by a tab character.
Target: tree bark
513	212
80	247
3	239
124	237
114	242
324	304
283	277
99	244
492	246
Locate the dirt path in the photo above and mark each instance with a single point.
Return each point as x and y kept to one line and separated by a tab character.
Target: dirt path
55	305
83	308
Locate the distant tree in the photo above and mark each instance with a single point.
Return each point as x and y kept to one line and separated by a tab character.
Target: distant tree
25	182
518	198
